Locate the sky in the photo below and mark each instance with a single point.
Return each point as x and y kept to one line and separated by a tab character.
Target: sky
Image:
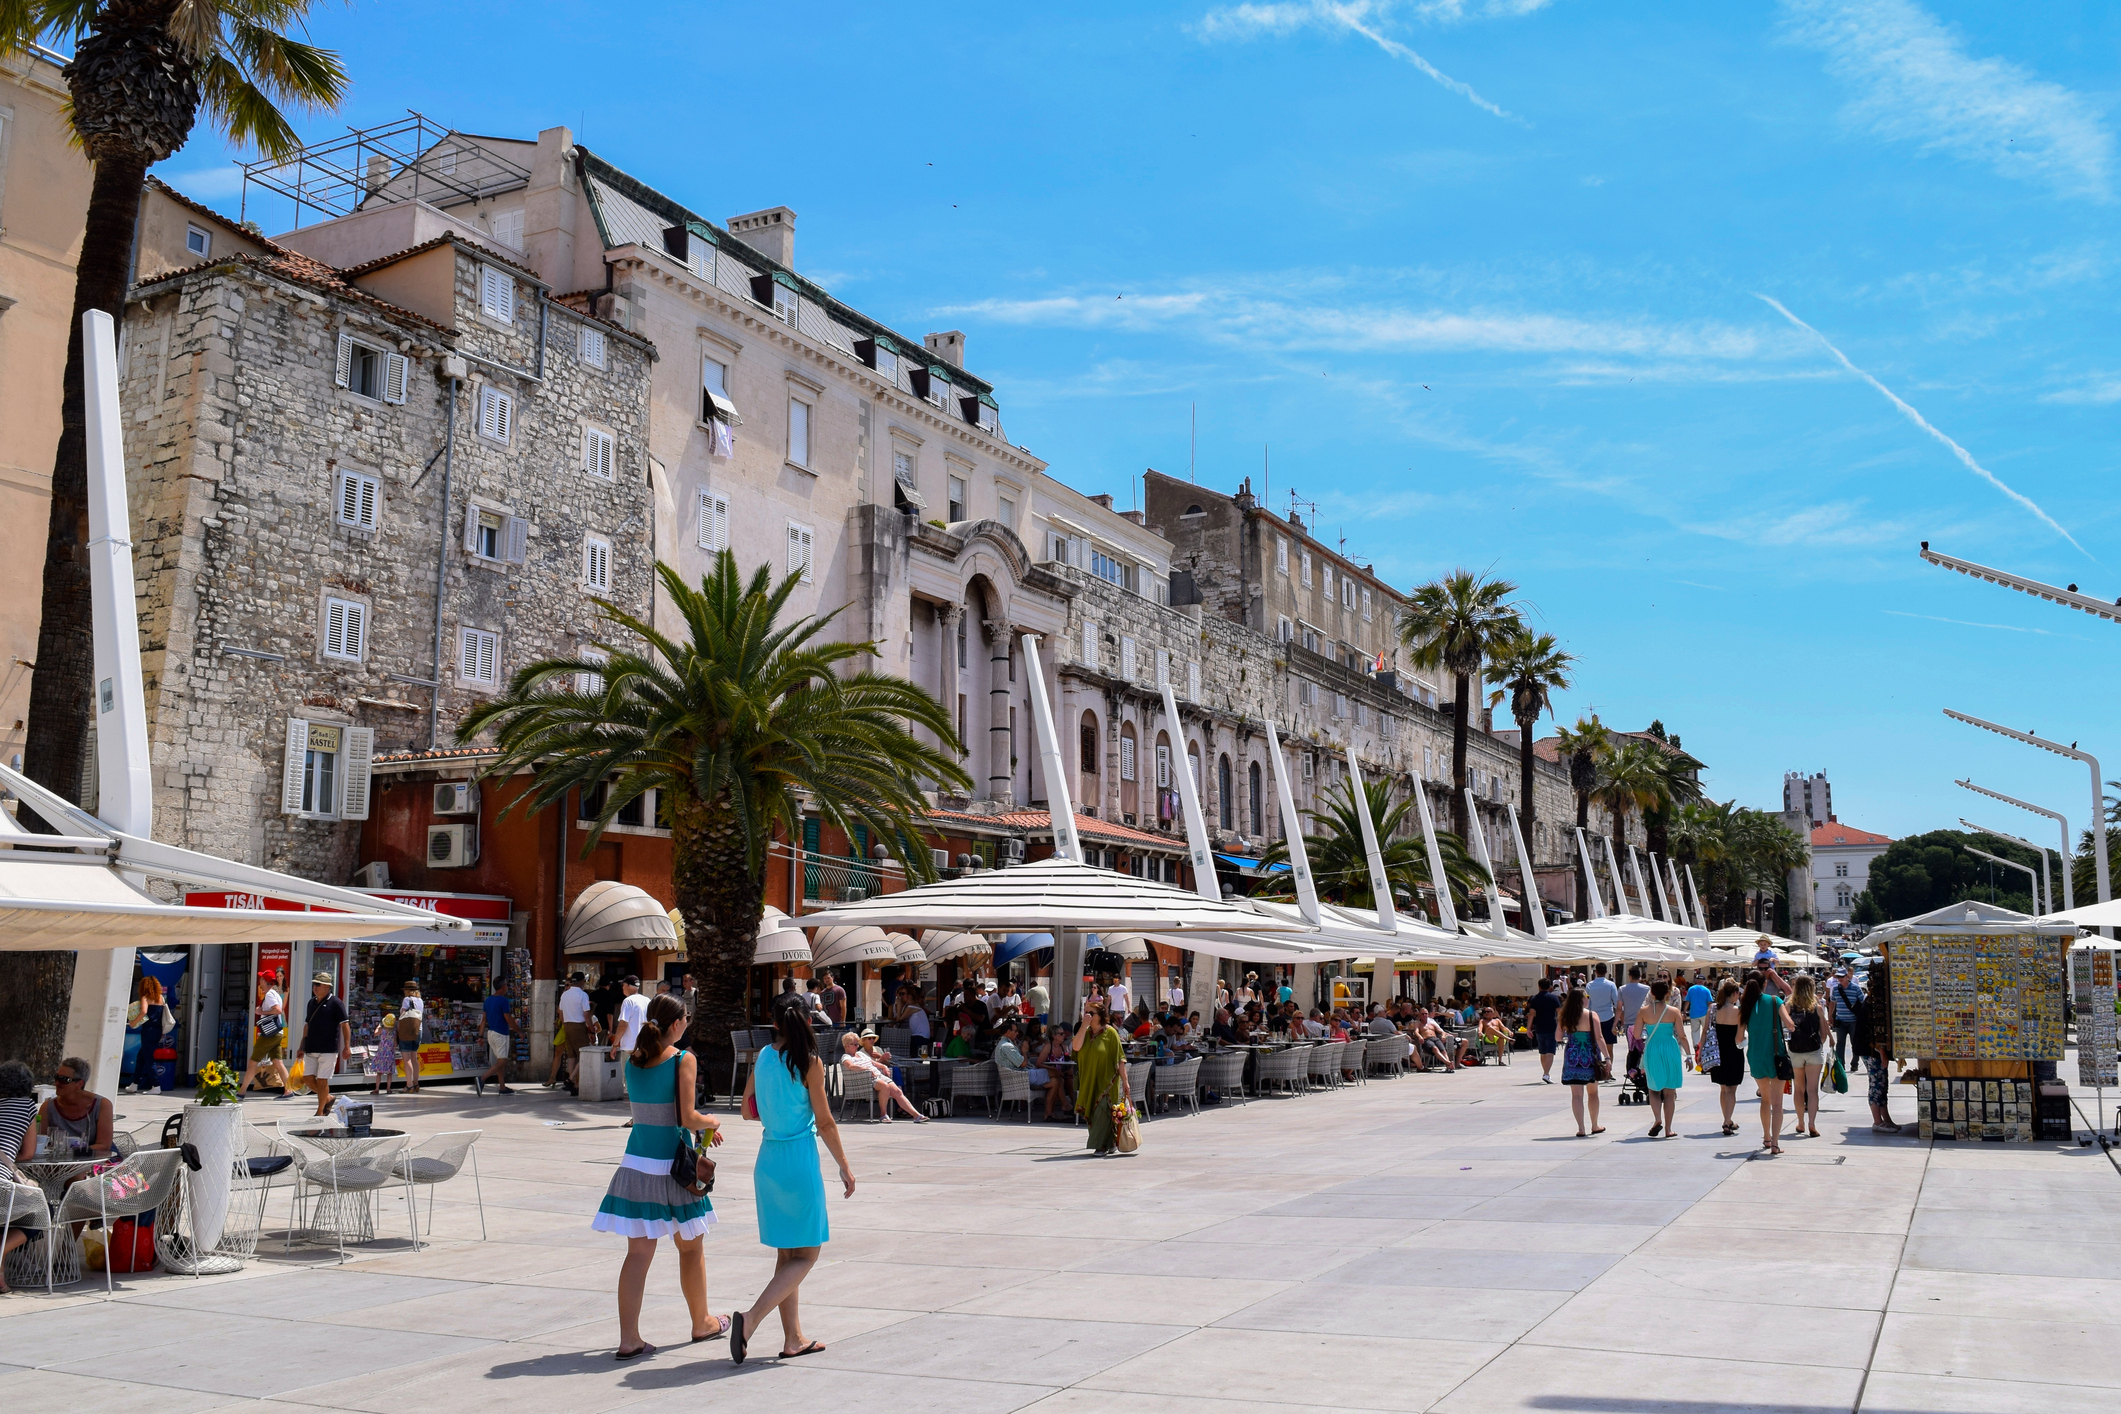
1689	320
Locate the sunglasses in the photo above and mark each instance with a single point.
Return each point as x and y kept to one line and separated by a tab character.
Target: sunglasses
65	1079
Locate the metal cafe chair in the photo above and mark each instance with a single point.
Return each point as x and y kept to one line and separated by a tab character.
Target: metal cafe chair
347	1181
25	1206
137	1186
744	1050
438	1159
857	1087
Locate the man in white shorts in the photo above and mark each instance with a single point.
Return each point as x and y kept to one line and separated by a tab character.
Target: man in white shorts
327	1039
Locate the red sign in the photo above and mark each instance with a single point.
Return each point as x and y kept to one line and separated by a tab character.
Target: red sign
480	907
273	961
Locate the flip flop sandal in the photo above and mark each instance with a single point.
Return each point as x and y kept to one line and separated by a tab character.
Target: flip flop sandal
813	1348
635	1354
736	1337
713	1335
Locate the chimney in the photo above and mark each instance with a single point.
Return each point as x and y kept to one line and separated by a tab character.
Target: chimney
771	233
378	173
1103	498
949	347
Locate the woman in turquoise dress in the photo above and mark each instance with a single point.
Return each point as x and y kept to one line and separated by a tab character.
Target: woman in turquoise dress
644	1203
1763	1025
1666	1053
786	1093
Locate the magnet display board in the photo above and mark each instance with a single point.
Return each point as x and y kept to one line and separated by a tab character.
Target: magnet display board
1978	996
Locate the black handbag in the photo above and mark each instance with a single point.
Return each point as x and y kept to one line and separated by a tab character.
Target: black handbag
1783	1069
691	1169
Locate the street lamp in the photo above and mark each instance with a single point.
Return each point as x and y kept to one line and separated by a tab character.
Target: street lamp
2047	884
2026	869
2068	598
2106	883
2069	888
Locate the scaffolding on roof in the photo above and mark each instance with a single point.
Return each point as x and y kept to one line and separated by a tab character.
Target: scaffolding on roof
412	158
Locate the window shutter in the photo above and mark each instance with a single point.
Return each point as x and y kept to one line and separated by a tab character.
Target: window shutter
591	684
597	453
1163	667
291	771
801	541
515	537
354	765
356	629
349	499
471	530
335	628
593	347
504	412
497	294
468	654
1163	767
1126	758
713	533
1193	681
342	373
396	369
486	412
1090	642
366	507
596	565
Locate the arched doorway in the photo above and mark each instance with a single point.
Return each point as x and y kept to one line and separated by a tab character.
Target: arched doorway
1225	800
1087	754
1258	801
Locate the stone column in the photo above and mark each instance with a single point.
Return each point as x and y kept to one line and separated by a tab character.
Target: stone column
1001	775
947	618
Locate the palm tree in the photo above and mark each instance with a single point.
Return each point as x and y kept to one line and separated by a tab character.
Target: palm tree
1581	746
1341	866
738	726
141	71
1454	623
1532	667
1630	777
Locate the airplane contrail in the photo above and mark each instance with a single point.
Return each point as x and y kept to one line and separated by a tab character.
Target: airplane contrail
1352	17
1920	421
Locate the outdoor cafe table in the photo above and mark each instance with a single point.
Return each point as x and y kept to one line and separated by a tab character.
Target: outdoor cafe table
334	1209
55	1176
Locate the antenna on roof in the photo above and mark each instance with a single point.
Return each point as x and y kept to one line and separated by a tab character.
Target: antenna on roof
1193	445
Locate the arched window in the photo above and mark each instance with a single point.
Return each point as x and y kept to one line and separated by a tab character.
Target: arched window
1259	802
1223	794
1129	771
1087	748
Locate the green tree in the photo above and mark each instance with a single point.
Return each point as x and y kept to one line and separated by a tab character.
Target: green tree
1454	624
1580	748
1631	776
142	70
1530	668
739	725
1866	911
1921	873
1340	866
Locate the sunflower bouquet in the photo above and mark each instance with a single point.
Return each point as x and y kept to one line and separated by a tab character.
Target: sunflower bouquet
217	1085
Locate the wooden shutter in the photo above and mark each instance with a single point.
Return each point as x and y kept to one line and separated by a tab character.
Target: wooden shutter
335	628
1163	767
396	369
349	499
355	760
488	405
593	347
342	373
1193	681
596	564
800	544
515	540
366	507
1126	758
471	530
497	294
597	453
297	762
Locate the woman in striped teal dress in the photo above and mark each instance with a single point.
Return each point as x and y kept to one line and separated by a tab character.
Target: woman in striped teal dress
643	1202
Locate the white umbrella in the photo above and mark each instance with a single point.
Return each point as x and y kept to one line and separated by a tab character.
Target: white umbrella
942	945
2090	915
831	947
1131	946
1046	895
611	917
906	948
1747	941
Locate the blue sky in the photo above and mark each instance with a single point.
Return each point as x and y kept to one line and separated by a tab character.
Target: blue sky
1692	320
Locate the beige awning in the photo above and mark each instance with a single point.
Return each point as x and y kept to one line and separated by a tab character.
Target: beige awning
611	917
907	948
942	945
830	947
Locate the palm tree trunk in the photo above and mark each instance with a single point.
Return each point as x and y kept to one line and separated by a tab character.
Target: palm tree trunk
35	988
1620	844
1460	726
1583	879
721	899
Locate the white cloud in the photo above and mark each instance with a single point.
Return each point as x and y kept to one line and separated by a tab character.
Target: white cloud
1840	524
1456	11
1965	457
1915	82
1966	623
2097	390
1357	17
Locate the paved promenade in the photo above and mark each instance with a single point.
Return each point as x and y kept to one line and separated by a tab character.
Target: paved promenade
1432	1242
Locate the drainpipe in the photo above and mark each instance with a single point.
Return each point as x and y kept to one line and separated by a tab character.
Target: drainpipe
449	453
543	302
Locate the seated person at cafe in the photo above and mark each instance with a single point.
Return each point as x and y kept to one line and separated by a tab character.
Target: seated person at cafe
1315	1024
1171	1047
1431	1042
75	1122
1223	1030
1193	1023
960	1043
887	1090
1493	1032
1051	1060
1380	1024
1241	1032
1139	1025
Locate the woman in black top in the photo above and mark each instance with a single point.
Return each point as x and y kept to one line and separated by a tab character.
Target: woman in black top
1728	1071
1546	1011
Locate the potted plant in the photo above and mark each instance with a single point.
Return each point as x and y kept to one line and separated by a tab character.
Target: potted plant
213	1125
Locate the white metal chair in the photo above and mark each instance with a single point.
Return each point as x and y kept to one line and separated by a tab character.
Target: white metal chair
137	1186
857	1087
1139	1083
976	1082
1224	1074
438	1159
1179	1085
23	1205
350	1178
744	1050
1016	1089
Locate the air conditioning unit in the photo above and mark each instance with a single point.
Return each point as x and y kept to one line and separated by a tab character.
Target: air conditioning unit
456	798
452	846
940	858
372	876
1012	851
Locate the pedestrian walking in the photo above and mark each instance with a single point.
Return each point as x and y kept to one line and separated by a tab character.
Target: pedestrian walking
786	1093
154	1020
1725	1058
1631	997
327	1040
1100	1076
1763	1029
1851	1044
1700	1001
1580	1063
412	1019
268	1043
1546	1011
1666	1053
1603	998
500	1038
574	1034
643	1203
1809	1020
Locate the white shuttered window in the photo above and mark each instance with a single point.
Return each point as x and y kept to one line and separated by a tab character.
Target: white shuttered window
713	530
1193	681
1090	642
479	658
1126	658
356	500
802	541
596	564
345	629
592	346
599	453
497	413
497	294
589	684
799	432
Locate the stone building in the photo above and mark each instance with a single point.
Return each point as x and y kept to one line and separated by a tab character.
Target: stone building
364	497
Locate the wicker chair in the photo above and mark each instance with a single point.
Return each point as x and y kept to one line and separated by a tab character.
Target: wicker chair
896	1039
1325	1063
976	1082
1016	1088
1139	1084
121	1193
24	1205
1224	1074
437	1160
1179	1084
1281	1070
857	1087
1386	1055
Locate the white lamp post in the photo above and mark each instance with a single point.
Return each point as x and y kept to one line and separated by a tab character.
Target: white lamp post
2106	883
2025	869
2069	888
2047	882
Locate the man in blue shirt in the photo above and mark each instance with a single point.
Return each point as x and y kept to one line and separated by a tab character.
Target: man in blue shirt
499	1038
1603	999
1846	997
1700	1001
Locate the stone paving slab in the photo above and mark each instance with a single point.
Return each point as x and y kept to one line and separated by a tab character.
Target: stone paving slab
1435	1242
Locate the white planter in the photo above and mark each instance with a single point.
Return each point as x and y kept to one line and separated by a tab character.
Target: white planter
217	1132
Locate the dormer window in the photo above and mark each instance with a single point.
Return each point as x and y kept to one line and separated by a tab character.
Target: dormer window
198	241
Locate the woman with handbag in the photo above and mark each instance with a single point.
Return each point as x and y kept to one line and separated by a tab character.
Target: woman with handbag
412	1014
1811	1032
786	1094
1721	1055
646	1200
1100	1076
269	1042
1763	1024
1586	1061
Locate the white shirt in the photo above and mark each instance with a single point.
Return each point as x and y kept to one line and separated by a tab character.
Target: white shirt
1120	1002
917	1023
1175	998
414	1005
632	1012
271	1002
574	1006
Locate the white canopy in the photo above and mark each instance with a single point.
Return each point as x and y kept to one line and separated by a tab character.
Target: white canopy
2089	915
779	941
831	947
1045	895
1131	946
86	890
907	948
942	945
611	917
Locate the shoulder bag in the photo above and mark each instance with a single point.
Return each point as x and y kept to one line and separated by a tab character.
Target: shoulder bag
408	1028
690	1167
1784	1071
1710	1053
271	1024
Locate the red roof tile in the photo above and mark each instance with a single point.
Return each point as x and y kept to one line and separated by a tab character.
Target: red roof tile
1831	834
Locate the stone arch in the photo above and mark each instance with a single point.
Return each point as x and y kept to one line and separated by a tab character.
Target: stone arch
1089	754
1256	802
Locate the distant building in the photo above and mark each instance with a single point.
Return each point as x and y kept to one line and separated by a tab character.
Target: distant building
1841	866
1808	796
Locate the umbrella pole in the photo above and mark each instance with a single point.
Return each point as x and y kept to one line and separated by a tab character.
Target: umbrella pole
1067	978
